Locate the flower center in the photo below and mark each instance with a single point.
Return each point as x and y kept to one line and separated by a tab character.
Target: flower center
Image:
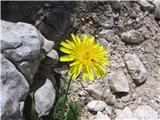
86	56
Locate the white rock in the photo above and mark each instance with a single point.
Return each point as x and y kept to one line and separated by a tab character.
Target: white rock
82	93
44	98
145	5
124	114
135	68
107	34
47	45
14	90
132	37
118	82
101	116
108	109
23	44
96	105
54	56
145	112
157	8
95	91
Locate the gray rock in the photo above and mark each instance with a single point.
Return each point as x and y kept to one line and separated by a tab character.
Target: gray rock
22	44
96	105
104	43
14	88
135	68
107	34
95	18
101	116
22	47
124	114
145	112
95	91
82	94
108	24
157	8
115	4
108	110
109	97
44	98
145	32
118	82
145	5
132	37
54	56
47	45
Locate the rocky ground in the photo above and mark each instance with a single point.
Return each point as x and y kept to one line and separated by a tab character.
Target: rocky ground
130	31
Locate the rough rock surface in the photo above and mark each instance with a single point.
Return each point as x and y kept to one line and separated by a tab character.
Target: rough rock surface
44	98
124	114
95	90
118	82
96	105
145	112
22	44
14	88
132	37
22	48
135	68
101	116
107	34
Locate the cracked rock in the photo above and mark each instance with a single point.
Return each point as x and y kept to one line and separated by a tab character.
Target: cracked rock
14	88
23	44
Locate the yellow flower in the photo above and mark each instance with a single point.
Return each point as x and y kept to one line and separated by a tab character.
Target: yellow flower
88	57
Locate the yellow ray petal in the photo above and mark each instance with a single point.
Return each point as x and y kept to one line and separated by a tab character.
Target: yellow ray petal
65	50
67	58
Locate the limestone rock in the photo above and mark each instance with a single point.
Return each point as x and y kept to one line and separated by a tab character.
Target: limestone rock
107	34
53	55
125	114
132	37
101	116
95	91
14	88
135	68
145	112
22	44
118	82
96	105
44	98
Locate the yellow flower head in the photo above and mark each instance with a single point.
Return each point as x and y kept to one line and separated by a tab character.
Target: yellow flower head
88	57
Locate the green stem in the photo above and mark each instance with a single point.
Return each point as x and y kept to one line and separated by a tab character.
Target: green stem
66	94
